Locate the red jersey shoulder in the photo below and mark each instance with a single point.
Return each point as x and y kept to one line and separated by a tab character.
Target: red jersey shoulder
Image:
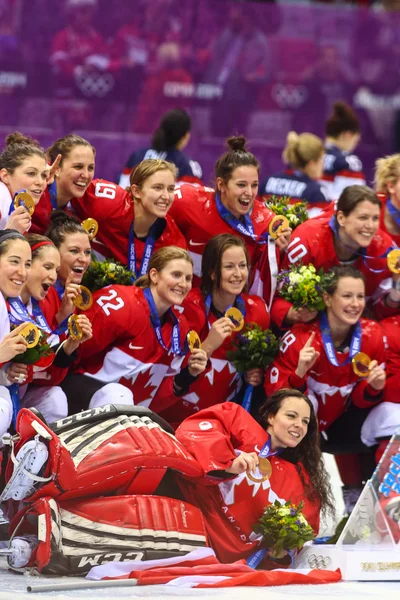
172	235
256	311
380	242
102	200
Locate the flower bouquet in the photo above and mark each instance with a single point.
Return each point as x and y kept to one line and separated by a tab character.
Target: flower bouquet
108	272
255	348
40	355
303	286
295	212
284	529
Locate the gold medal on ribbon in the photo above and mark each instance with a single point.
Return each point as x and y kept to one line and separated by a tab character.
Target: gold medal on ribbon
393	260
91	226
24	199
31	334
236	317
361	362
75	330
278	223
264	471
193	340
85	299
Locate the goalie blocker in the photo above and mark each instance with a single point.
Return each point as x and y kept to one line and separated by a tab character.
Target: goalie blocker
77	535
105	450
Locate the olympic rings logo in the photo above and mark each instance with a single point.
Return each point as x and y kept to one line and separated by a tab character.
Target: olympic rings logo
94	83
319	562
288	95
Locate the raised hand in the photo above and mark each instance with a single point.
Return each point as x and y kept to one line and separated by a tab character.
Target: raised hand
219	331
244	462
377	376
197	361
307	357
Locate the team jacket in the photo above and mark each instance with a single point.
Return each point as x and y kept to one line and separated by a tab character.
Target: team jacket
112	208
341	169
195	212
232	505
313	242
188	170
330	388
299	187
222	382
124	347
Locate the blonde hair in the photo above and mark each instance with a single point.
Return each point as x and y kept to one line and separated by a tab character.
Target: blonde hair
301	149
147	168
387	170
159	261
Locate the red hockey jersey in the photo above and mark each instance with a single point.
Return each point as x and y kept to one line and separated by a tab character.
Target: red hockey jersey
196	215
330	388
124	347
232	505
112	208
222	382
391	329
313	242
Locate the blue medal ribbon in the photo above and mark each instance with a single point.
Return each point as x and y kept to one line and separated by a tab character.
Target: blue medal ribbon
393	211
16	404
355	344
156	323
248	397
38	317
245	228
60	289
362	252
53	195
148	250
239	303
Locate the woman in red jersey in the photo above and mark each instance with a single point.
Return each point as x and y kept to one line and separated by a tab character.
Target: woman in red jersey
133	223
202	213
351	236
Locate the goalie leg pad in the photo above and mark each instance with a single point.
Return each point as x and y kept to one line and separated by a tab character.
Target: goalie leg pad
75	536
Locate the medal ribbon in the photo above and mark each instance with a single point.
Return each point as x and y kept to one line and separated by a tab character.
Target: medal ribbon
156	323
148	250
60	289
355	344
38	317
16	404
393	211
361	251
245	228
53	195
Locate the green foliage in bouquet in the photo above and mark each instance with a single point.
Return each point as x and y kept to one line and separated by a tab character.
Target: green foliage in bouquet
295	213
283	527
108	272
303	286
31	356
254	348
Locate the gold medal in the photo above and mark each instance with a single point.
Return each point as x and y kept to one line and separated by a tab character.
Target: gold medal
31	334
278	223
75	330
361	362
264	471
91	226
193	340
393	260
24	199
236	317
85	299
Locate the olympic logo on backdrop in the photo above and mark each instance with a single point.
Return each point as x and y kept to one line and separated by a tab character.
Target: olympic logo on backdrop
94	83
318	561
289	95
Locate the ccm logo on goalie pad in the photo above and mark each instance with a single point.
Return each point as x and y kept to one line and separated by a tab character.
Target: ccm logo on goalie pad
85	414
101	559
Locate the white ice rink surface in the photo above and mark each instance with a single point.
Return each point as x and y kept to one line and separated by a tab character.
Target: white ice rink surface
13	586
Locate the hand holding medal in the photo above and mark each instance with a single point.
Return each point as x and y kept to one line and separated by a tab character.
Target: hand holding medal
80	330
280	231
369	370
84	299
236	317
91	226
26	201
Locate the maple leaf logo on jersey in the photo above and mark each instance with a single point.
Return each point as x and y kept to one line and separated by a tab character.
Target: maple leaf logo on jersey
221	381
143	389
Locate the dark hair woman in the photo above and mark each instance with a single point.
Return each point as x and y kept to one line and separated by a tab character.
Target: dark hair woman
350	236
202	213
229	443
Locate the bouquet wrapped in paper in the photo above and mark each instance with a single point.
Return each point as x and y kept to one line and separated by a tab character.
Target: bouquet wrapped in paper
284	529
303	286
295	212
254	348
108	272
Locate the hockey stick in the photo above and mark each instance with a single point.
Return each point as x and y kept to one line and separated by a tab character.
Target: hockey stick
80	585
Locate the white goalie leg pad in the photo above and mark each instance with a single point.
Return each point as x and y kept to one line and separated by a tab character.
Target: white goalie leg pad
381	422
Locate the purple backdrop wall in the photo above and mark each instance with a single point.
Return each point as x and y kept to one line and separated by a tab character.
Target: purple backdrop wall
108	70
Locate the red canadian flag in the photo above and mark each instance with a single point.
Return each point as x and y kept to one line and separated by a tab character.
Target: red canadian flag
202	569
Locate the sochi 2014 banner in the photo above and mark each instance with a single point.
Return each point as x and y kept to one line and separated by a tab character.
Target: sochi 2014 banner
109	70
